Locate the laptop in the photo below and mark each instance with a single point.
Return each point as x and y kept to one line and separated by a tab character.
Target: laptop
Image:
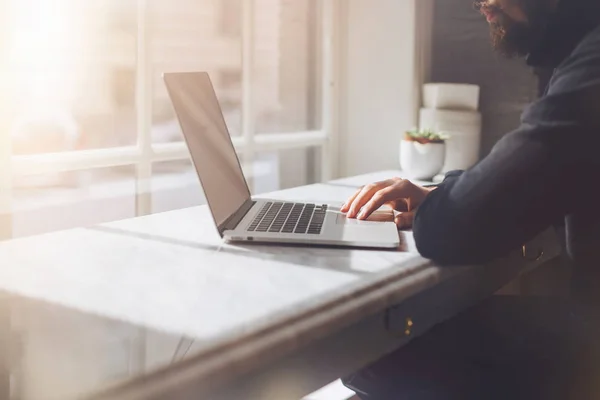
239	217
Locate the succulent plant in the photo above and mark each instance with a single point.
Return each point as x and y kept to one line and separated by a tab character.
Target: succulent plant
425	136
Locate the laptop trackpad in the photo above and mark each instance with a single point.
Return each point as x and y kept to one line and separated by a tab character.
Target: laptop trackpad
377	216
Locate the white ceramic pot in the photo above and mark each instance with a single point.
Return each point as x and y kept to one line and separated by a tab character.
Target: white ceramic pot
421	161
451	96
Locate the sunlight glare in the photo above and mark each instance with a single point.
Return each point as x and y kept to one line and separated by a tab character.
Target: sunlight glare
41	52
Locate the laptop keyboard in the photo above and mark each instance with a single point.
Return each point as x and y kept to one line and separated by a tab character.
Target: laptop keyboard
289	218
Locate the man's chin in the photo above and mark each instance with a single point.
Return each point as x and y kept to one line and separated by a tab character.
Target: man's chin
511	42
509	50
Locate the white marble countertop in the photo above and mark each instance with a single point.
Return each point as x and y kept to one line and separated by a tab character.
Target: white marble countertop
169	271
241	305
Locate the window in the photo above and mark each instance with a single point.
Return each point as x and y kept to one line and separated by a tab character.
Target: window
231	18
67	63
88	102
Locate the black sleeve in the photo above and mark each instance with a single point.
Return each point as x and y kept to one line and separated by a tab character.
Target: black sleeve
533	177
449	174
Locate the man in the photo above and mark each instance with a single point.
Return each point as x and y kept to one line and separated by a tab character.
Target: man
540	175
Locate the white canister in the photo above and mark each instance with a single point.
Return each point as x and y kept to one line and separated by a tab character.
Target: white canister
421	161
468	122
464	129
462	151
451	96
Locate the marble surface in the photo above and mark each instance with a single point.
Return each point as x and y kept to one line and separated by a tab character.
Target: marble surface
120	300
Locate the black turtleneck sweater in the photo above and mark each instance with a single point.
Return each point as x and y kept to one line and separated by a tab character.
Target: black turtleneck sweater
543	172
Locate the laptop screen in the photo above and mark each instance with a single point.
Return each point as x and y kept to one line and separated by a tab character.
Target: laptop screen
210	145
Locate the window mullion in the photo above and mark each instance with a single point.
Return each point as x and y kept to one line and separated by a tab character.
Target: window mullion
143	112
329	37
6	179
248	114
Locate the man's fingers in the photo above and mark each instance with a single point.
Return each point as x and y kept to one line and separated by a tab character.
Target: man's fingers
346	207
401	194
361	199
378	199
364	196
400	205
405	220
390	194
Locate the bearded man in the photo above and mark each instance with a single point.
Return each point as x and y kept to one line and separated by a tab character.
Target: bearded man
538	176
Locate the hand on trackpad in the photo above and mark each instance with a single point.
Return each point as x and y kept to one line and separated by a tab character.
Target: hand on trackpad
377	216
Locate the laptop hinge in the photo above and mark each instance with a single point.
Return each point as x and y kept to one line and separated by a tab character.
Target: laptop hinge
232	222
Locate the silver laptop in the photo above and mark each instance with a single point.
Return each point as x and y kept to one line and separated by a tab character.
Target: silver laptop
238	216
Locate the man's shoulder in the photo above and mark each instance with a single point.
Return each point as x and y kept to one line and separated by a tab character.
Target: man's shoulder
581	68
588	46
590	43
574	90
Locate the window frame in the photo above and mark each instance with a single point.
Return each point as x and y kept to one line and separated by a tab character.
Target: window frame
145	153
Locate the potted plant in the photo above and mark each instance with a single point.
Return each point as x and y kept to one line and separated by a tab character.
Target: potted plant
422	153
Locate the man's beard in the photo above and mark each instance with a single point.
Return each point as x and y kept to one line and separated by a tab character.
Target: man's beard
513	38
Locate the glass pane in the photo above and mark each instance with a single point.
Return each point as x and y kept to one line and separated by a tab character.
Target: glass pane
265	177
285	169
195	35
286	60
175	185
51	202
72	72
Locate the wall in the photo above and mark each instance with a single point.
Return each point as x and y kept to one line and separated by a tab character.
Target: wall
378	96
384	59
461	52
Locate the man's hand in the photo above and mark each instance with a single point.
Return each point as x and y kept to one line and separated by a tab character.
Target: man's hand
400	194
